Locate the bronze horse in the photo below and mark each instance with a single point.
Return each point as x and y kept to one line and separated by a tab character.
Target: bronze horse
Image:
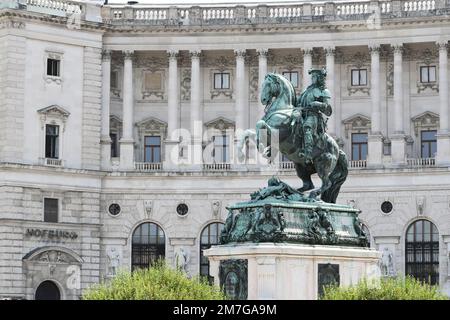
328	161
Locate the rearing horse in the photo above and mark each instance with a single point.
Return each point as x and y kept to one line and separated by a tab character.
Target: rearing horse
329	162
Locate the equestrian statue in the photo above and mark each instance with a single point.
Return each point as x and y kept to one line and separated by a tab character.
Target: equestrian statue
300	124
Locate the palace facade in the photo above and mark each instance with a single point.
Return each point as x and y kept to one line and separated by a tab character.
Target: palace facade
106	111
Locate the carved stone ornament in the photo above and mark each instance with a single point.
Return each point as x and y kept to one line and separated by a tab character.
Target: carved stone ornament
356	123
114	255
219	125
11	24
216	206
148	207
53	112
387	265
420	204
153	84
425	121
288	61
390	80
254	85
185	85
152	126
182	258
220	63
233	278
53	256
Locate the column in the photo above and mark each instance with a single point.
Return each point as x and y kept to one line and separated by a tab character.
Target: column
307	65
172	141
196	109
443	136
262	71
239	91
398	138
330	52
375	138
105	140
127	141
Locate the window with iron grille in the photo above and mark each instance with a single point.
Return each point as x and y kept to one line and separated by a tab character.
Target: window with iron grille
428	74
359	146
50	210
52	141
292	76
359	77
221	80
53	67
422	251
428	143
148	245
210	236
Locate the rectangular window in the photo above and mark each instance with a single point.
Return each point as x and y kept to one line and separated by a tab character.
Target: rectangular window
292	76
359	77
152	149
428	143
114	79
50	210
53	67
221	149
114	145
359	146
221	81
428	74
52	141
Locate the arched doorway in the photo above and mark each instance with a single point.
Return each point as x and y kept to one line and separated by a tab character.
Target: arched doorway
47	290
422	251
148	245
210	236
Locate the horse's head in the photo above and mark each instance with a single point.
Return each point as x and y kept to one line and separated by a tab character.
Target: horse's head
278	87
270	88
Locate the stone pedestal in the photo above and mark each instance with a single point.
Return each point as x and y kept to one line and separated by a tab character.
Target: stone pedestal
267	271
375	154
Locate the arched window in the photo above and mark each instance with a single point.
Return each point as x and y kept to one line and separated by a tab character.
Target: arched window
148	245
422	251
210	236
47	290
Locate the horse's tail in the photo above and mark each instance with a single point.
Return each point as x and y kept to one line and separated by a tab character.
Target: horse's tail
337	178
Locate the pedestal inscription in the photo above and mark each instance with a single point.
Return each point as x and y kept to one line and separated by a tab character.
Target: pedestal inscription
233	276
327	274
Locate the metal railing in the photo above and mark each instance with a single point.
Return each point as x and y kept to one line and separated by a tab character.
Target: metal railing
147	166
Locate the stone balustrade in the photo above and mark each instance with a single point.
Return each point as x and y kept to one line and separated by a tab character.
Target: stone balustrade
352	164
56	7
271	13
420	162
217	166
147	166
